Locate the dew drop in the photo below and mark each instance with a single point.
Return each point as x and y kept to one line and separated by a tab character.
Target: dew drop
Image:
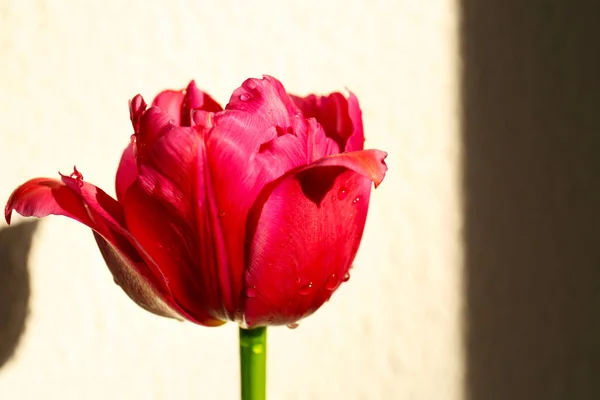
244	97
356	200
251	292
222	214
293	326
132	138
332	282
346	278
343	192
257	348
304	290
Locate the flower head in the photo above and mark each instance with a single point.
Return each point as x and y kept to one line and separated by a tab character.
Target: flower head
252	213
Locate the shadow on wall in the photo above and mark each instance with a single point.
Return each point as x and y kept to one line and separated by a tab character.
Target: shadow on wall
531	134
15	242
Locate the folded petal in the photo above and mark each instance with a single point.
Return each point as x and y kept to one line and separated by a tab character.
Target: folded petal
340	117
76	199
41	197
265	98
305	229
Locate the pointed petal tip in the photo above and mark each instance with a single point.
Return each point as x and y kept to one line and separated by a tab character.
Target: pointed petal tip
7	213
378	177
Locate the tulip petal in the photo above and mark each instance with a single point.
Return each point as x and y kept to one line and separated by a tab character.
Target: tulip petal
265	98
125	271
238	171
76	199
168	210
196	99
180	103
41	197
306	228
170	101
126	173
153	124
340	117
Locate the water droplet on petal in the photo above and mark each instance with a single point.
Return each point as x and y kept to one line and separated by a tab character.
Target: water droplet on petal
332	282
346	278
251	292
257	348
293	326
222	214
304	290
343	192
132	138
244	97
356	200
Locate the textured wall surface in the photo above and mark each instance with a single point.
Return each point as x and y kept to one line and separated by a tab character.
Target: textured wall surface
67	70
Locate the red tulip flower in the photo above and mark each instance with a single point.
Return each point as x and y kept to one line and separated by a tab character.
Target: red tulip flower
250	214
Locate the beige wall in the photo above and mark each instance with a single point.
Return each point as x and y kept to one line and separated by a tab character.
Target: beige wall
67	70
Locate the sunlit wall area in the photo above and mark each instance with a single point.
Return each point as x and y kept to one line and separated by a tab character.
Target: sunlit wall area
67	71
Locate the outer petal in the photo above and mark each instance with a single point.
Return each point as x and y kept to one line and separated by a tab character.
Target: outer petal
126	173
340	117
306	228
91	206
246	152
238	174
169	210
41	197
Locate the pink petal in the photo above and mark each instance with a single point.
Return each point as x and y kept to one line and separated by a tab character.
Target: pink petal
85	203
265	98
125	270
41	197
153	124
170	102
179	104
239	170
340	117
137	106
306	229
231	147
169	211
126	173
196	99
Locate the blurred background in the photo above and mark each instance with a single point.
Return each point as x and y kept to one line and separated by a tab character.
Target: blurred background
478	275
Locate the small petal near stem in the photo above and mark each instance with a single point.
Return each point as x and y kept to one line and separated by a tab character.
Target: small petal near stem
253	363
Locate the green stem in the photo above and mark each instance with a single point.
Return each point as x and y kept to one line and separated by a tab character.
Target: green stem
253	363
